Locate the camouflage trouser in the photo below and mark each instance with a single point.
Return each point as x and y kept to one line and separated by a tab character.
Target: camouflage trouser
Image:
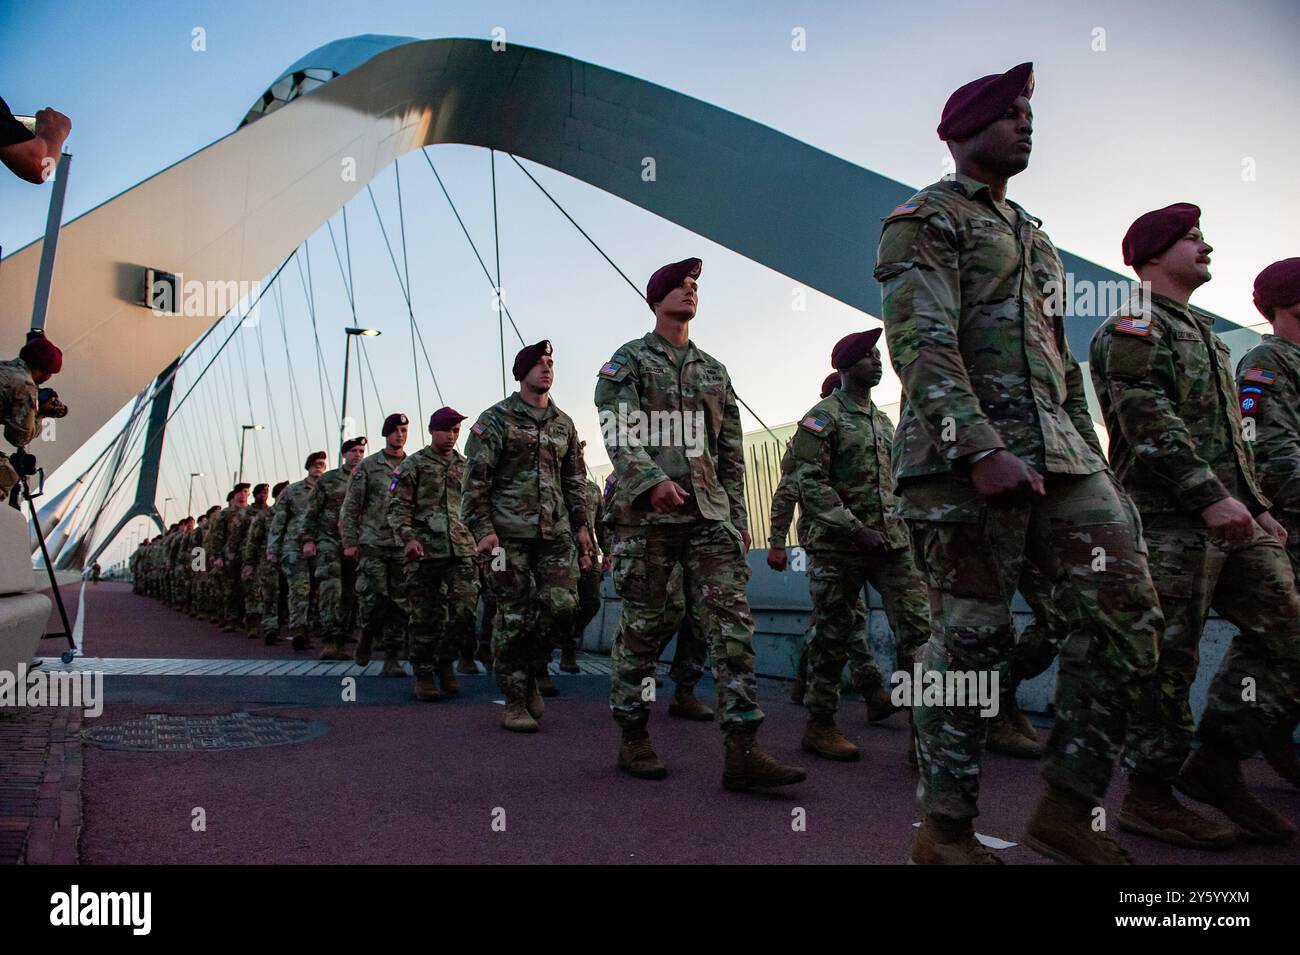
714	574
1251	584
381	597
336	590
233	592
1041	641
180	587
273	597
536	594
971	571
298	572
835	581
441	597
588	605
691	653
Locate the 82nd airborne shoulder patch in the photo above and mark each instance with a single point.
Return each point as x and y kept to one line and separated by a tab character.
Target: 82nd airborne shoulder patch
1250	399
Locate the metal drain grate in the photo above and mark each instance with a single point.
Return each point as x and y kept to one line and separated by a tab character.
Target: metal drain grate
169	733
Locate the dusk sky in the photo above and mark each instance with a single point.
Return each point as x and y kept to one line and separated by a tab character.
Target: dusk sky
1190	101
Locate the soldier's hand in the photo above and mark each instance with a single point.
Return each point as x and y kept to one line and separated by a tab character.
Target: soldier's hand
746	540
778	559
52	125
52	408
1267	521
870	542
1229	519
272	557
413	549
584	548
606	562
350	553
246	573
1005	480
218	563
488	544
309	549
667	496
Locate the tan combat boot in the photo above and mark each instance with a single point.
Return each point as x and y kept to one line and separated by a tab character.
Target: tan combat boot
1005	738
1018	720
361	657
533	700
545	685
797	689
879	705
569	661
517	719
447	679
333	650
425	689
685	705
1281	755
747	766
1150	809
1061	829
466	665
392	665
1214	777
943	841
822	737
637	757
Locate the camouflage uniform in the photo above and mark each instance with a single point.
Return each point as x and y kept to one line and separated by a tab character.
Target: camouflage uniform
232	556
1166	387
984	365
336	576
1268	382
363	523
524	481
19	400
253	557
589	580
704	536
842	467
285	540
441	586
215	547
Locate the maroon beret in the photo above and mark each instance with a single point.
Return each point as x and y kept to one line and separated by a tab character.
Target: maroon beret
316	456
258	487
358	442
528	357
393	422
1154	232
668	278
241	487
275	491
41	353
981	101
444	419
851	349
1278	286
830	384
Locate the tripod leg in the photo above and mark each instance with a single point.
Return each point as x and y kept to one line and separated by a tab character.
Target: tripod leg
45	554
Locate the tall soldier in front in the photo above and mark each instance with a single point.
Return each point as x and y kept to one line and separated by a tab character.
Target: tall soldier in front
854	536
679	498
336	575
1268	383
997	462
367	539
1165	384
441	575
525	502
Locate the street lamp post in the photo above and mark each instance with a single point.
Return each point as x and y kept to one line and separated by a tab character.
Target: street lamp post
244	429
347	355
189	503
166	501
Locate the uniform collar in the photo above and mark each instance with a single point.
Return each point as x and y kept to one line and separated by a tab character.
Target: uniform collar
972	189
517	404
851	403
667	349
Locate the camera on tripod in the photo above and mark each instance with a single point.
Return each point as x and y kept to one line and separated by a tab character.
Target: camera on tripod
23	463
57	409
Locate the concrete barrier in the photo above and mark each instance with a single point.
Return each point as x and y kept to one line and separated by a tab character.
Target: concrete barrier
23	612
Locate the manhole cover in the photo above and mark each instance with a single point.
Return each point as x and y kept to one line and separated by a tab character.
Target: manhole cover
168	733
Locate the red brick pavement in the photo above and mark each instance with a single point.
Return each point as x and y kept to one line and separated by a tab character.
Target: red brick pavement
40	785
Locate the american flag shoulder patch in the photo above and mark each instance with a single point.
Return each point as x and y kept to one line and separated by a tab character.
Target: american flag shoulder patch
1129	325
479	428
1262	375
610	369
907	208
814	424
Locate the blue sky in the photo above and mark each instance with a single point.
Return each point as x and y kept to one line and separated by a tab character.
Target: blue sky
1184	96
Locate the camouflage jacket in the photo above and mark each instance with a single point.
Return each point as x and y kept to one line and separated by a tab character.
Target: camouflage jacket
18	400
784	500
424	503
236	531
843	472
522	479
1165	385
363	519
284	539
692	433
219	533
596	520
172	552
1268	384
255	539
983	362
326	502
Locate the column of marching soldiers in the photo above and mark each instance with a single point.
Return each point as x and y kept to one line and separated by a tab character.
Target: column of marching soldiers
995	481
